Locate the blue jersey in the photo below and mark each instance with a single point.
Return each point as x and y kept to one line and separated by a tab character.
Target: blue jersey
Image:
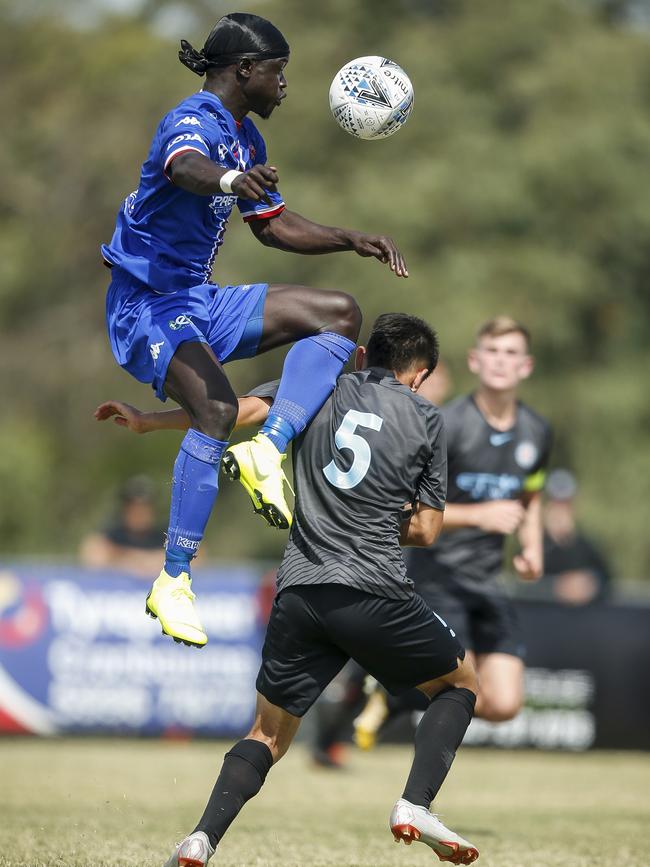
167	237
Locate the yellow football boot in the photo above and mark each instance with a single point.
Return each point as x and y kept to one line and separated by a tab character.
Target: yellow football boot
171	600
258	466
371	719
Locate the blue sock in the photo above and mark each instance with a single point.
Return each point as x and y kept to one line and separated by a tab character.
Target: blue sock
194	489
308	377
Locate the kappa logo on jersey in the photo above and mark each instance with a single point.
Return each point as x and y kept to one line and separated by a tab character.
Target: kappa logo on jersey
189	121
489	486
181	321
186	136
222	152
154	349
526	454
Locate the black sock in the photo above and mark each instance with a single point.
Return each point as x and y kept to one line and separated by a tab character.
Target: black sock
437	738
242	775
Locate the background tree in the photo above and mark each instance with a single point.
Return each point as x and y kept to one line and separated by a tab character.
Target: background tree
519	185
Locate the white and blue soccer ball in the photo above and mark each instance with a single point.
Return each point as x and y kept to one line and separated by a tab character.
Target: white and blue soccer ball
371	97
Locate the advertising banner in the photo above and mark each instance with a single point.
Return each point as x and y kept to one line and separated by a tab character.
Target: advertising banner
78	654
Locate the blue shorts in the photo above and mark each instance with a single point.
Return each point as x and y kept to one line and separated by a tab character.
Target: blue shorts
145	329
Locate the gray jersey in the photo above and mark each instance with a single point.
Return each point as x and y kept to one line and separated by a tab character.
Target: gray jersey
373	448
484	464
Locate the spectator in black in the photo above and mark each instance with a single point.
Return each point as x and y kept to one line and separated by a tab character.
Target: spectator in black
132	542
575	569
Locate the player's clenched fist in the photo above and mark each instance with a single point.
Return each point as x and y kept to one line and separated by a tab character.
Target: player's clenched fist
528	564
256	183
501	516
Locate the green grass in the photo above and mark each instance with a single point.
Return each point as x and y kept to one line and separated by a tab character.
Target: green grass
104	803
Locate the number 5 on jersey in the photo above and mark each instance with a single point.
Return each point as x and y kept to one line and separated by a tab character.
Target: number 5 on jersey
346	438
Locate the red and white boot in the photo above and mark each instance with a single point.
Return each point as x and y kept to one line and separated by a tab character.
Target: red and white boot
409	823
194	851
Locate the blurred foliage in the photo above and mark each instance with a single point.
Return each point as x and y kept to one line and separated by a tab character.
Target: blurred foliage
519	185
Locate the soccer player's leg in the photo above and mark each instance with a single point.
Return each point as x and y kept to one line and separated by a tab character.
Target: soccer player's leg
334	715
499	648
373	716
501	692
437	738
297	664
196	381
325	325
162	339
382	707
243	773
403	644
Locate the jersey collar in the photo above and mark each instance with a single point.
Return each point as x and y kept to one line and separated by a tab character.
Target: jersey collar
234	126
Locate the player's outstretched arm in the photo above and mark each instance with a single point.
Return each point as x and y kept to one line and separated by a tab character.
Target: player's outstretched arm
295	234
423	527
197	174
252	411
125	415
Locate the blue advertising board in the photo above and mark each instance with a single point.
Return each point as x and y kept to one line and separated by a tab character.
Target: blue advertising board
78	654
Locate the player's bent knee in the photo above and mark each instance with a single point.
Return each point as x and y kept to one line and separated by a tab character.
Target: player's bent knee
345	315
498	708
215	418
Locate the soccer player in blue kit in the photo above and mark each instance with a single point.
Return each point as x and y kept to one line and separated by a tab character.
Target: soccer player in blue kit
170	326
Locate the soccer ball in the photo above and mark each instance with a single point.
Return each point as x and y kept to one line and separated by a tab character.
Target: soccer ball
371	97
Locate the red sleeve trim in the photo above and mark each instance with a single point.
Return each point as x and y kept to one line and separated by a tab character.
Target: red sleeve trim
170	159
264	215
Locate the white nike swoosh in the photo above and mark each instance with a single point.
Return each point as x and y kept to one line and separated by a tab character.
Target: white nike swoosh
500	439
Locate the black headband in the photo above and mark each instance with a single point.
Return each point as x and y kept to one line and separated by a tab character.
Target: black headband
199	63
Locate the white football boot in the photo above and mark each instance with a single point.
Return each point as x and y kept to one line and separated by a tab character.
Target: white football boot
408	822
194	851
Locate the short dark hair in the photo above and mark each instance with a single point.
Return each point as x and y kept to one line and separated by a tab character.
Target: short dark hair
398	341
232	38
137	488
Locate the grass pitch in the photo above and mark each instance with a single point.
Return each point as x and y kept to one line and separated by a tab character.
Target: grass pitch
123	803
